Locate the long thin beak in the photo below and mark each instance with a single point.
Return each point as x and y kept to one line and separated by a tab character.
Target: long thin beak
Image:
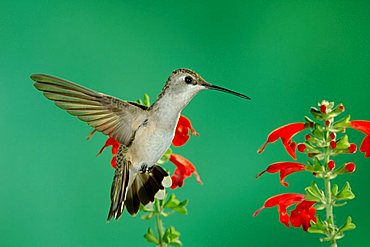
214	87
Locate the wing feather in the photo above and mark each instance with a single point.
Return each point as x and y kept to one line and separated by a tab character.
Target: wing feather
114	117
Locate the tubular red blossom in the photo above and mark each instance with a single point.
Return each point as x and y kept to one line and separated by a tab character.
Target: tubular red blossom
110	142
282	201
182	131
285	168
184	169
350	167
363	126
365	146
303	214
115	145
286	133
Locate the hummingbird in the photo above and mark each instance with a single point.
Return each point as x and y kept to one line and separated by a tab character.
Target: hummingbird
145	133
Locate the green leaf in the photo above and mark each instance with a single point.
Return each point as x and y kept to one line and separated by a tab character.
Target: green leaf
320	227
334	190
341	124
317	114
345	193
165	157
146	100
343	142
172	202
314	193
348	225
181	210
148	216
150	237
171	236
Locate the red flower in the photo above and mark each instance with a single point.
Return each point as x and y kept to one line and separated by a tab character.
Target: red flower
363	126
115	145
184	169
303	214
299	216
286	133
285	168
182	131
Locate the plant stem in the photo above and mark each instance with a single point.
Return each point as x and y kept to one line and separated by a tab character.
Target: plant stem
329	212
159	224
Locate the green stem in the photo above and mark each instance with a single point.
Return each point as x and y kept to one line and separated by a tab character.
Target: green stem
159	224
329	199
329	212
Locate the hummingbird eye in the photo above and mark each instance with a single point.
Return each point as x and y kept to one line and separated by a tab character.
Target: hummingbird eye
188	79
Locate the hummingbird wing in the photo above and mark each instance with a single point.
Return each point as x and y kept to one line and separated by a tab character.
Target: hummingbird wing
114	117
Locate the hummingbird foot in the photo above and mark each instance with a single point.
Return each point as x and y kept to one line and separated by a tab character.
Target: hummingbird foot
145	168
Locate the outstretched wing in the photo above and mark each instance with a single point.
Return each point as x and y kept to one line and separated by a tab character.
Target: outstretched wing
114	117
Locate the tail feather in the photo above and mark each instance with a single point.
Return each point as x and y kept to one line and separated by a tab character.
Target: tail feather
119	191
129	194
132	200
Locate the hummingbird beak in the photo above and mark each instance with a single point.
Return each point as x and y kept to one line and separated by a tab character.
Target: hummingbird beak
214	87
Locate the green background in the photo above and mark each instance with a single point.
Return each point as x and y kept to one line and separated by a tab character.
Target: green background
286	55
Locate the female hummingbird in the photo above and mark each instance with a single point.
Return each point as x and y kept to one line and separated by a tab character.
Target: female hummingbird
145	133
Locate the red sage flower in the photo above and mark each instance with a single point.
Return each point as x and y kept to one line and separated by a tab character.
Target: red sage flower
184	169
285	168
363	126
182	131
286	134
300	216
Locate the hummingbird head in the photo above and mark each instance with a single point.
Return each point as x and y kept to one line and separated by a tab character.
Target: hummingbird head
187	83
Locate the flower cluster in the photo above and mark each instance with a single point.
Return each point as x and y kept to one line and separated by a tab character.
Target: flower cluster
326	138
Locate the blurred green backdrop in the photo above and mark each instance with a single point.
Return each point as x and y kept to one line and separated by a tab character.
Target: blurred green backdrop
286	55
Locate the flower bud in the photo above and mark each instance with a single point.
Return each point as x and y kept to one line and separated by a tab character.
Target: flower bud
341	107
350	167
301	147
331	165
332	135
333	144
352	148
307	137
323	108
327	123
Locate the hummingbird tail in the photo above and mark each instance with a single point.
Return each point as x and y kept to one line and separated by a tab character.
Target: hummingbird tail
144	188
119	190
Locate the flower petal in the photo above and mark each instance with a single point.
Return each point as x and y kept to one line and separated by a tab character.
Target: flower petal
110	142
361	125
365	146
286	133
184	169
285	168
182	131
